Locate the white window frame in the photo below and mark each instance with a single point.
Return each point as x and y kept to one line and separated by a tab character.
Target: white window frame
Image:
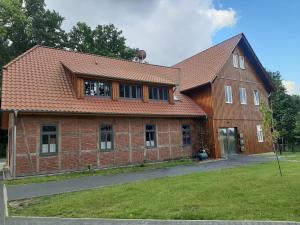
243	96
228	94
260	133
242	62
235	60
256	97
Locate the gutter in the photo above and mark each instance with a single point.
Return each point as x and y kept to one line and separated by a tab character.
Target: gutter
14	143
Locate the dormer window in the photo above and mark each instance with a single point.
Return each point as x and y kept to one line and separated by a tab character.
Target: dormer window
158	93
130	91
97	88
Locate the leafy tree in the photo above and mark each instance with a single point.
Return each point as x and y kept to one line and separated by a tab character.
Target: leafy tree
104	40
284	110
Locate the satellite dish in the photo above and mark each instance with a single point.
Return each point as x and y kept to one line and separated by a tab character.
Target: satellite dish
141	55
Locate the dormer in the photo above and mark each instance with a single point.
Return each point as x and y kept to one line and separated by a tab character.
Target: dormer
96	81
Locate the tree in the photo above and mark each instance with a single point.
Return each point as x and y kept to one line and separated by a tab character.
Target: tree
105	40
268	125
284	110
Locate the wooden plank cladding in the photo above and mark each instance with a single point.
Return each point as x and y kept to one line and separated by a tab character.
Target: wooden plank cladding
115	90
80	88
171	95
145	93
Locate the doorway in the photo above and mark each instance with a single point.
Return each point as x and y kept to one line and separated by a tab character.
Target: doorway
228	141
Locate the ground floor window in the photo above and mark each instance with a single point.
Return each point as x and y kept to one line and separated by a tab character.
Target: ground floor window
186	134
260	134
106	137
48	139
150	136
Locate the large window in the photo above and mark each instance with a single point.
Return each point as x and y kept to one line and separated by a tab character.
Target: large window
150	136
48	140
256	97
130	91
242	62
235	60
106	137
97	88
228	94
158	93
243	96
260	133
186	134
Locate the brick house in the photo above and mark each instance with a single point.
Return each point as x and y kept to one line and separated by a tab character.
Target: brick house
67	110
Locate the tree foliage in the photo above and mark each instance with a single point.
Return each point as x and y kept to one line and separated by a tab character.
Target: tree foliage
25	23
104	40
284	109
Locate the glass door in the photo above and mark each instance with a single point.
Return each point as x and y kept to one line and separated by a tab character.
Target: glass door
228	141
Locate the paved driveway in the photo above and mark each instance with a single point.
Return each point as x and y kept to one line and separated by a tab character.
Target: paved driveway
41	189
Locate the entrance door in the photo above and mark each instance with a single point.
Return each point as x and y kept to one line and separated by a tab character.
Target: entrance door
228	141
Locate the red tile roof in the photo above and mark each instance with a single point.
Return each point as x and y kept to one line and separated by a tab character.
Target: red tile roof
203	67
36	82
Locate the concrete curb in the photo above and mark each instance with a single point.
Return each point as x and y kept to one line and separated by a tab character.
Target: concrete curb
19	220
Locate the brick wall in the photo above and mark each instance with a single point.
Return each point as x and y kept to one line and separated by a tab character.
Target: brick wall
78	143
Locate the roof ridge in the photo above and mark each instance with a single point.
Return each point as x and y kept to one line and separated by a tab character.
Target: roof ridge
108	57
240	34
20	56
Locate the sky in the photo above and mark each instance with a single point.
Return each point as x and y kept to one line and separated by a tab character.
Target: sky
172	30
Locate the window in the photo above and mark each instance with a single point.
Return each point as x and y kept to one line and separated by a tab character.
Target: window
48	140
260	134
243	96
158	93
186	134
130	91
235	61
256	97
106	137
242	62
228	94
150	136
97	88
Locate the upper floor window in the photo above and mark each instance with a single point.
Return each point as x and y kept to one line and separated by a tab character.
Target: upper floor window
243	96
235	61
150	136
186	134
260	133
228	94
256	97
130	91
97	88
242	62
48	140
106	137
158	93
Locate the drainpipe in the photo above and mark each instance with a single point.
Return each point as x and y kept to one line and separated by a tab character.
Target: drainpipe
14	144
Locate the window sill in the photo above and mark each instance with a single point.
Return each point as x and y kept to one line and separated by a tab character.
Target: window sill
48	154
229	102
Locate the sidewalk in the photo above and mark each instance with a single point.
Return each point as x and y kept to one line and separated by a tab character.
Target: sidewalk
78	184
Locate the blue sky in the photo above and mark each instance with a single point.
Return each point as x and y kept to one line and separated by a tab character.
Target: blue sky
273	30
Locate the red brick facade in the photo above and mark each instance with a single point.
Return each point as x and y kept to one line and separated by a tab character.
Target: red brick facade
78	143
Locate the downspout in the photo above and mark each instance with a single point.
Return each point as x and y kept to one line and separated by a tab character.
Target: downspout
14	144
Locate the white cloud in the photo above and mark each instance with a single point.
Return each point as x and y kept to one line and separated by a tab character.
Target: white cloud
169	30
291	87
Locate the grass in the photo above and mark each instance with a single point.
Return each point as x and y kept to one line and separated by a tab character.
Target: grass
70	175
253	192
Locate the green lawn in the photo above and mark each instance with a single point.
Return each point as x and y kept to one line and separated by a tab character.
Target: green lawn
145	166
254	192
